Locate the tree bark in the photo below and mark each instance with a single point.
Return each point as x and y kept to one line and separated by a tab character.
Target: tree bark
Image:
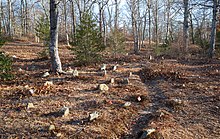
54	55
192	29
156	22
213	31
9	28
73	20
149	21
186	26
65	22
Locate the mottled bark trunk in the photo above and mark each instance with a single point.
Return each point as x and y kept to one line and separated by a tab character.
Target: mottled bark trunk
156	23
9	28
186	26
73	21
134	27
65	22
54	55
149	21
213	32
116	15
192	29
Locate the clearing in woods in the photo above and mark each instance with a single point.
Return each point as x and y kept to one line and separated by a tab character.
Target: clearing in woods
178	98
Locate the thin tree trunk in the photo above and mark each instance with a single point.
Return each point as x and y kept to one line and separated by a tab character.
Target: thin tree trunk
213	32
167	39
143	31
65	22
116	15
26	18
134	26
73	20
9	29
156	22
149	20
54	55
192	29
186	26
0	18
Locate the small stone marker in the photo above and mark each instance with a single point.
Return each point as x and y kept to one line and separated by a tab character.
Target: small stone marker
20	70
30	105
151	57
59	135
46	74
114	68
127	104
31	91
112	81
75	73
64	111
51	127
105	73
147	133
103	67
130	74
14	56
103	87
93	116
138	98
48	83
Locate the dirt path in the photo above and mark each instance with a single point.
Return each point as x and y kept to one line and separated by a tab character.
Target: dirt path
179	98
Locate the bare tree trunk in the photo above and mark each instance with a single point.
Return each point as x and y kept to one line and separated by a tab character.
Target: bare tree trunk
192	29
116	14
156	22
26	18
73	20
134	26
65	22
0	18
54	55
185	25
149	20
144	30
213	32
167	39
4	24
9	28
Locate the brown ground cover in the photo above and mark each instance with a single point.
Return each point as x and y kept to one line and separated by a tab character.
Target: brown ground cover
179	98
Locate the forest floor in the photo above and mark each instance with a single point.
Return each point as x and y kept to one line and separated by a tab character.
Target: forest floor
175	98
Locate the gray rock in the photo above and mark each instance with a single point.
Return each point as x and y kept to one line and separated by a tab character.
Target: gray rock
112	81
14	56
46	74
104	73
93	116
48	83
147	133
127	104
64	111
103	67
103	87
30	105
75	73
31	91
114	68
151	57
51	127
20	70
